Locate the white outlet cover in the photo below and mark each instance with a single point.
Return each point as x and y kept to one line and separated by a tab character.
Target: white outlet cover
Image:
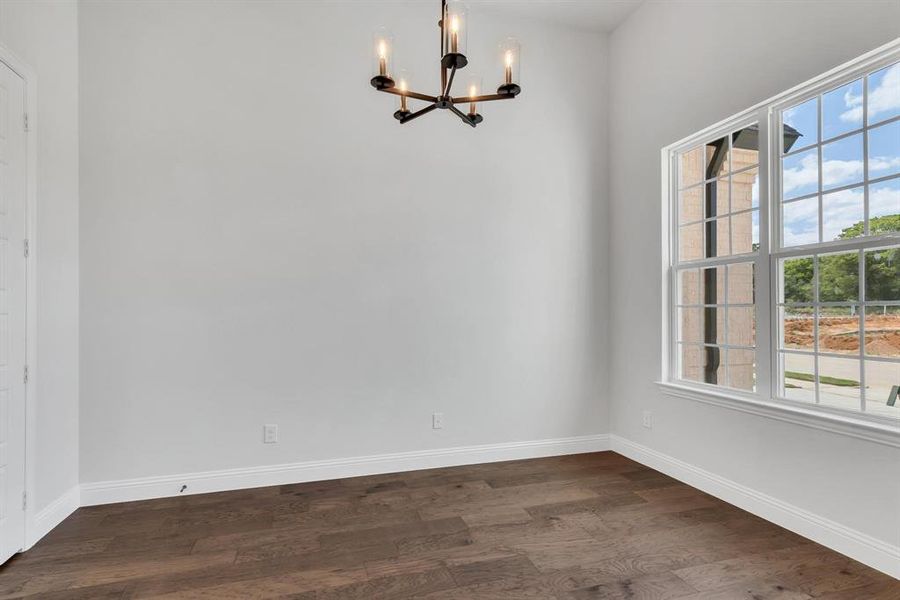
270	434
437	421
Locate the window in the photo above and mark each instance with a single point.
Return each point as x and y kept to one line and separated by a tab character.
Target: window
784	254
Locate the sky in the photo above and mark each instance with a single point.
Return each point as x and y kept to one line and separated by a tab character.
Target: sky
842	160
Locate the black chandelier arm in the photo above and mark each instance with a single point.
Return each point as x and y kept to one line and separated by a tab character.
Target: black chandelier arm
486	98
449	81
409	94
418	114
462	115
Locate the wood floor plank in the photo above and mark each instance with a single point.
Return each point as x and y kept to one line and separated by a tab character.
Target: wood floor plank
562	528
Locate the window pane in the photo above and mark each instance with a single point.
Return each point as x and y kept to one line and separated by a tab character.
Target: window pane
884	94
745	190
742	369
717	237
882	381
703	363
799	377
839	382
883	275
755	230
713	325
702	325
690	167
742	232
690	286
883	331
797	279
800	174
712	285
842	110
884	150
843	214
717	198
745	148
741	326
690	205
839	329
884	201
803	119
691	325
842	162
717	159
690	241
800	222
740	283
797	328
839	277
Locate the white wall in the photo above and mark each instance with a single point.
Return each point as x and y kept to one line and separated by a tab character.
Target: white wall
45	35
675	68
262	243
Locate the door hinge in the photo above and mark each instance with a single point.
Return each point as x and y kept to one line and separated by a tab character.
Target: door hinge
25	122
25	378
24	500
27	249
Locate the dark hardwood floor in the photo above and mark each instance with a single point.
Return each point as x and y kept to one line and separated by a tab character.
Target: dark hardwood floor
587	526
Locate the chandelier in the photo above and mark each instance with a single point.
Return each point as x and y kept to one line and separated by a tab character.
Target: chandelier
453	24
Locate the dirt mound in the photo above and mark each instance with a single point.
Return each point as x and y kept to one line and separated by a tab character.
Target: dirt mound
841	334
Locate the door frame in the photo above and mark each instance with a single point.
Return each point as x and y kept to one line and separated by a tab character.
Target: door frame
23	70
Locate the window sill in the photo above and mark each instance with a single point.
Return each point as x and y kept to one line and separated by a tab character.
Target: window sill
845	425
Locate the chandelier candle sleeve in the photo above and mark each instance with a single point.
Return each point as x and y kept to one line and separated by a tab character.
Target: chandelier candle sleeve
473	89
510	59
384	46
403	85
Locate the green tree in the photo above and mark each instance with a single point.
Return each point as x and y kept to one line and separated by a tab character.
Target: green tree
839	273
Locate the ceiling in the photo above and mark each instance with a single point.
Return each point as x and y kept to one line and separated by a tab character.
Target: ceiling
595	15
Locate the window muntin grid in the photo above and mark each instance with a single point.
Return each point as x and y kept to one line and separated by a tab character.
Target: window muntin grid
881	197
845	190
717	241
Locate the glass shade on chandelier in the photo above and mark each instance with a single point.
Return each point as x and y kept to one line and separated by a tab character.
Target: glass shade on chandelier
456	27
383	58
510	62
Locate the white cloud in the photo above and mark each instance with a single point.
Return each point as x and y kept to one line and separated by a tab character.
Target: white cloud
883	163
802	176
884	200
801	222
805	176
841	210
854	105
884	98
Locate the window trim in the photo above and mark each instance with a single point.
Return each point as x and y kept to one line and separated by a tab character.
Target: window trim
764	400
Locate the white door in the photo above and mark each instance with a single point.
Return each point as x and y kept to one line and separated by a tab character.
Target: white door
12	312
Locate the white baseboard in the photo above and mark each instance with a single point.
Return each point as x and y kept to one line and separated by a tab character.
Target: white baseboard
859	546
52	515
104	492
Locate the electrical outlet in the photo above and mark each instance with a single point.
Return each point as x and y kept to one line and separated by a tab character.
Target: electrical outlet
437	421
648	419
270	434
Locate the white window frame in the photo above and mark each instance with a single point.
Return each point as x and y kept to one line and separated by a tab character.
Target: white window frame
765	400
